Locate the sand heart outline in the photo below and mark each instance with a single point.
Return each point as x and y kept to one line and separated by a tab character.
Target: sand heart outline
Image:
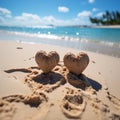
45	61
76	63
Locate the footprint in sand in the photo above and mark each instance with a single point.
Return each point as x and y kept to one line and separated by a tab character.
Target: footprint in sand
34	100
37	80
6	109
73	104
9	104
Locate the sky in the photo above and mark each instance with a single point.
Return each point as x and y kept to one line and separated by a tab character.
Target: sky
55	12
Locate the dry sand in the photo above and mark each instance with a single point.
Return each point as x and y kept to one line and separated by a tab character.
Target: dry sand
26	93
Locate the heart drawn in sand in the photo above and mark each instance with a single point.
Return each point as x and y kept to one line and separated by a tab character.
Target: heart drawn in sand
76	64
47	61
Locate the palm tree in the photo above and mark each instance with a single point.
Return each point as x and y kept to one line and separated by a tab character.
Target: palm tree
108	18
94	20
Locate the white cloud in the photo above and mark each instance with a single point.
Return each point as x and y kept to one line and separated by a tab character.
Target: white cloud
91	1
83	18
52	20
63	9
1	19
27	16
49	18
99	14
5	12
29	19
84	14
94	9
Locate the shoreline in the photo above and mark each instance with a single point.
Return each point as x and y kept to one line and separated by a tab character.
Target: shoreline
24	91
103	47
106	26
103	41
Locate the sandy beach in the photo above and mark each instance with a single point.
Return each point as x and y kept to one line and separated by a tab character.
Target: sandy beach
26	93
107	26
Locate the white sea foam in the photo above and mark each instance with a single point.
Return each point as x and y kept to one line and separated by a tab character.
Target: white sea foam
84	40
110	44
32	35
28	42
35	37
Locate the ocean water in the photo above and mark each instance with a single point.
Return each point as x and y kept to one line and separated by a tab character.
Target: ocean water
101	40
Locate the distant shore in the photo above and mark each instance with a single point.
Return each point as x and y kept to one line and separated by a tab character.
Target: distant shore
96	26
106	26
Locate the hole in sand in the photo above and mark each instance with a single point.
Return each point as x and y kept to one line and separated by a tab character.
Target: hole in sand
33	100
73	105
76	99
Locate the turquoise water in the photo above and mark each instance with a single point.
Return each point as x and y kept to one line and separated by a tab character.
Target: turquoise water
96	34
103	40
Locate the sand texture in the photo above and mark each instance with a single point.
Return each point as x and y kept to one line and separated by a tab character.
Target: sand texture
51	59
28	93
76	64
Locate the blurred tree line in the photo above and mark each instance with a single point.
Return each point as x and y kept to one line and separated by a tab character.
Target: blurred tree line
108	18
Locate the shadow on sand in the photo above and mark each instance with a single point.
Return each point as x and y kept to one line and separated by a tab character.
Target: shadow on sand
95	85
49	78
81	81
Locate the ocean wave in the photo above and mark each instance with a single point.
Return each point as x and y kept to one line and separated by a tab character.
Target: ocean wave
35	37
32	35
